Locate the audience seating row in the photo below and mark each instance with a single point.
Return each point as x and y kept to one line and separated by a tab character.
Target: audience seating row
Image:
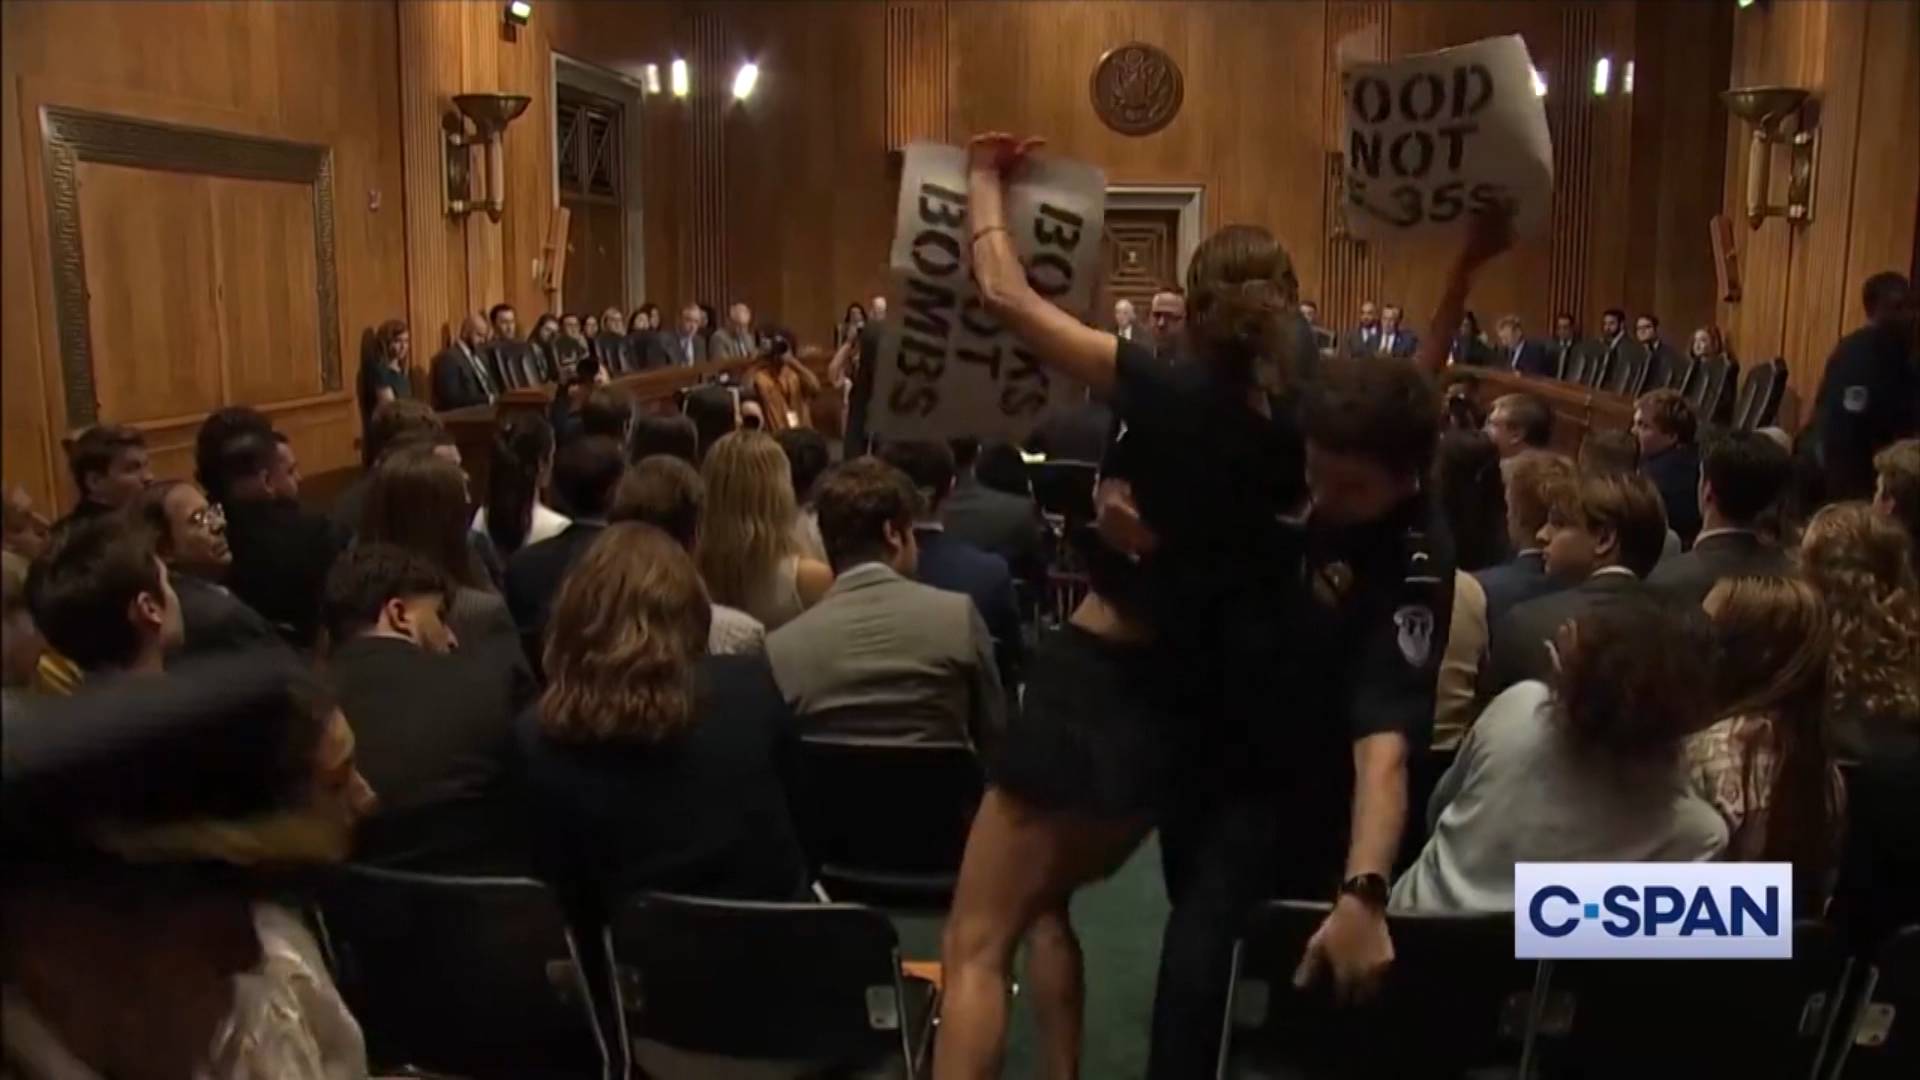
483	978
1457	1003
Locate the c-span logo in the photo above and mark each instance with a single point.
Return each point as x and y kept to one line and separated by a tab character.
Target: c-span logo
1663	911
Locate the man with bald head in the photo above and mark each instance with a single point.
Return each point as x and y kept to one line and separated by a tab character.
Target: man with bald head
463	374
684	345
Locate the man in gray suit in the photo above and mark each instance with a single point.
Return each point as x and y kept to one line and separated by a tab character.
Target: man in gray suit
1741	475
737	340
882	656
683	346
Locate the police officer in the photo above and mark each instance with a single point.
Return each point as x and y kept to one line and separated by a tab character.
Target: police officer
1870	394
1335	728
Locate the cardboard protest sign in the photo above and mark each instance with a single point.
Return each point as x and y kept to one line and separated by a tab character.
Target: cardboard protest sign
946	368
1431	137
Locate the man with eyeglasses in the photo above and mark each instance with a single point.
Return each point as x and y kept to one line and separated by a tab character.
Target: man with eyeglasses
1167	315
191	535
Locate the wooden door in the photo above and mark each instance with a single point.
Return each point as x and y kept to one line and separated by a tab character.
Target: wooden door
1143	257
593	189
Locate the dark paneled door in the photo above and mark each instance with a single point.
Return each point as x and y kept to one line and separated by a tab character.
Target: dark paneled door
592	187
1143	257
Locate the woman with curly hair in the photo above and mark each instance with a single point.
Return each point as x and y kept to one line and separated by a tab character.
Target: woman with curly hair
1589	769
1862	563
650	764
1765	764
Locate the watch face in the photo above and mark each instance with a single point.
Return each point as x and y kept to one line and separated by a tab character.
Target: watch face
1371	888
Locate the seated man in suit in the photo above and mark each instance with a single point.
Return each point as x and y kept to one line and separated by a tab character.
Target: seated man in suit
512	359
1605	351
1518	423
1603	536
1518	354
1531	479
682	346
612	346
110	469
1664	370
1364	338
281	551
585	473
1396	340
1560	350
738	339
463	372
882	655
948	562
392	423
101	598
1742	475
433	723
191	538
1664	424
1007	525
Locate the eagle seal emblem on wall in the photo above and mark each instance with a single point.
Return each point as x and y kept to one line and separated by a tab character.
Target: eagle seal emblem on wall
1137	88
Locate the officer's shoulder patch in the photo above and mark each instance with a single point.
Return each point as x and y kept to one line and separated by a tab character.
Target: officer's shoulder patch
1414	622
1854	399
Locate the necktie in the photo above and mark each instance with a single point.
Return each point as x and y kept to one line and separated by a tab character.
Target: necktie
480	369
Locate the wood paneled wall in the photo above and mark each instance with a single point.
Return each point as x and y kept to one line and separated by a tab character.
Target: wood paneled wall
1802	282
316	72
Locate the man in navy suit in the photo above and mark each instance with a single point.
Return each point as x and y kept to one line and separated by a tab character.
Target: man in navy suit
585	472
1396	340
1364	340
1519	355
947	562
1531	476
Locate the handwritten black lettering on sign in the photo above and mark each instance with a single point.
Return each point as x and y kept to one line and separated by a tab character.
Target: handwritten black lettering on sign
1432	138
947	366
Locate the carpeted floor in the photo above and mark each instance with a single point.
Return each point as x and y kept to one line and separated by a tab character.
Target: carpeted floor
1119	923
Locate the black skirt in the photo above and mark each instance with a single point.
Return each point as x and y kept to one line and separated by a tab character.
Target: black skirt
1095	732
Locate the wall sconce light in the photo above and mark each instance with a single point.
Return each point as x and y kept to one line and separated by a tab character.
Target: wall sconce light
1539	83
650	78
744	80
681	80
1602	76
1768	108
490	114
518	12
1626	78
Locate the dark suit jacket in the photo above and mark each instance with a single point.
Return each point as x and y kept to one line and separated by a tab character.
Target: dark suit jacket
1405	344
1723	555
1363	341
1514	582
705	812
1676	473
1518	648
1080	433
670	350
1662	365
947	562
533	577
1531	358
281	555
455	384
216	620
434	737
1006	525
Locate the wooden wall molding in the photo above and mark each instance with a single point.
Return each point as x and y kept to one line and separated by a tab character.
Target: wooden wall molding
705	250
70	136
428	65
1349	272
916	72
1570	118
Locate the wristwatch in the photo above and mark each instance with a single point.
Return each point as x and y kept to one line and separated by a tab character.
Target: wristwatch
1369	889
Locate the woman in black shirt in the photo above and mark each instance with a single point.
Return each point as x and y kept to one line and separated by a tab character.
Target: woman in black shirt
652	766
1193	575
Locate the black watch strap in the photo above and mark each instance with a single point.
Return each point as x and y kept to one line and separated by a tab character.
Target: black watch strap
1370	889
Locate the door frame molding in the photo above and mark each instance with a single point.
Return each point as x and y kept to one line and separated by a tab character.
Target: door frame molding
631	95
1188	200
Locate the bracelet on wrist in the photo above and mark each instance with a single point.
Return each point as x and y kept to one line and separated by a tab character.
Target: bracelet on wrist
980	232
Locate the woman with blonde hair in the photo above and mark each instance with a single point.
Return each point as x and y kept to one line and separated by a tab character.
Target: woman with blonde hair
747	552
1862	563
1765	763
650	764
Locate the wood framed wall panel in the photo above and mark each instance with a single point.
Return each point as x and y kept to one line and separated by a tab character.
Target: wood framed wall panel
1571	123
1349	273
916	95
264	239
1886	173
712	59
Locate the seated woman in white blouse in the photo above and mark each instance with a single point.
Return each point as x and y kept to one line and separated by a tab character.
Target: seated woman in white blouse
1590	769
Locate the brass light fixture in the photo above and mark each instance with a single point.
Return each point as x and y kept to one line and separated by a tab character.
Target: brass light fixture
1768	109
489	114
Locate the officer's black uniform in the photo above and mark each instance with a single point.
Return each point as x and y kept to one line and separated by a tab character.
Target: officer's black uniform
1364	660
1869	397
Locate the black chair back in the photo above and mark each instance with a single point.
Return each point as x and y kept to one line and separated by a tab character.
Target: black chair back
1574	364
1679	376
814	985
1628	371
1773	388
477	977
1064	489
1615	1018
887	822
1884	1040
1719	382
1455	999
